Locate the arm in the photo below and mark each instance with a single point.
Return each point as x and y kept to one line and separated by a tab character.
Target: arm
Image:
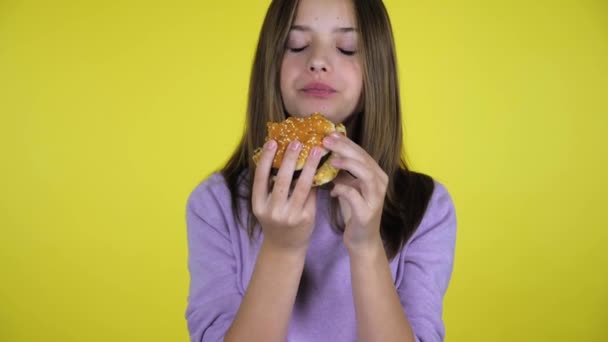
427	268
380	316
427	264
217	308
287	222
378	310
266	309
413	310
214	296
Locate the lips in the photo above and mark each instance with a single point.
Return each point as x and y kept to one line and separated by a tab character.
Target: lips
317	89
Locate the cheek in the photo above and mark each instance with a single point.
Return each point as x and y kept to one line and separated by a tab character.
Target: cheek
355	76
287	78
288	71
283	74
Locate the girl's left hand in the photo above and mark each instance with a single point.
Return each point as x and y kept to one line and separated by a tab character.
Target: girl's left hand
361	198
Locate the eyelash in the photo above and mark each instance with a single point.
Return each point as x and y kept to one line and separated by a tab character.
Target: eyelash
343	51
348	52
297	49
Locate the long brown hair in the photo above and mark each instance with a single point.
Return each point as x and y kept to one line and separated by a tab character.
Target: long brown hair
377	127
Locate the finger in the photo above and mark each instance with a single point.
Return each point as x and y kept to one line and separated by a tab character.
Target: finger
304	184
348	179
351	196
365	176
310	203
262	173
280	190
343	146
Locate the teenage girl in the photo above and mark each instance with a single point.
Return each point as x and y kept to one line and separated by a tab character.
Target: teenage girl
367	257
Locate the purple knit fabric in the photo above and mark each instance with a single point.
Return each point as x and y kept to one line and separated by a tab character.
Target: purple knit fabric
222	257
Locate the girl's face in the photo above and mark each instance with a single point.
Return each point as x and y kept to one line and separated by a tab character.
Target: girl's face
321	69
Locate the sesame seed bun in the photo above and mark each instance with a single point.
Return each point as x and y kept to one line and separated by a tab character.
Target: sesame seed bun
310	131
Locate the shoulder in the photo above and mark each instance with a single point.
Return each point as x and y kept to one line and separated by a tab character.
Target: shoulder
210	199
440	215
441	202
213	187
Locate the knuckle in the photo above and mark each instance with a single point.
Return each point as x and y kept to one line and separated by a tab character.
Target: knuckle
276	215
384	186
297	193
312	161
274	218
292	221
383	189
380	180
384	178
308	217
258	173
280	188
267	157
305	177
367	177
257	210
338	188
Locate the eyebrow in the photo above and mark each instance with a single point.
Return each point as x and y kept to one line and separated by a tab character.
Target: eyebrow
336	30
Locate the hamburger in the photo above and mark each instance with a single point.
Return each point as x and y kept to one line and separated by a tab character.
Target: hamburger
310	131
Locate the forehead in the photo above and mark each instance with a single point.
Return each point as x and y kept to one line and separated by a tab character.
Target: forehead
325	14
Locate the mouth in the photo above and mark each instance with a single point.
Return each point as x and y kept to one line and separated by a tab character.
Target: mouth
318	93
318	90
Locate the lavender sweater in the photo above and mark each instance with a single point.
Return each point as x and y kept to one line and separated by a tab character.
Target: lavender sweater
221	260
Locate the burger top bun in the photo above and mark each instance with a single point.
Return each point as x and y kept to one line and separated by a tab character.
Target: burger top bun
310	131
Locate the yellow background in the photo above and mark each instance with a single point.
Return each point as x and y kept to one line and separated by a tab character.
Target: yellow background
112	111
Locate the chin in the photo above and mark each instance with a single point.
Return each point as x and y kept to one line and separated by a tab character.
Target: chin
327	111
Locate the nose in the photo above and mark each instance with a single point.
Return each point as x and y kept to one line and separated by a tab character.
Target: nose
318	66
318	62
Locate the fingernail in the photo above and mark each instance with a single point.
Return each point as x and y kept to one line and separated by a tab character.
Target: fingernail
329	140
295	145
316	152
335	135
270	145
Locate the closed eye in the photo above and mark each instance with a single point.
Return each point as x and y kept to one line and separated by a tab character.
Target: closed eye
297	49
347	52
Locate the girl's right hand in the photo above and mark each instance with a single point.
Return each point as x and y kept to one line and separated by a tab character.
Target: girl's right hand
287	220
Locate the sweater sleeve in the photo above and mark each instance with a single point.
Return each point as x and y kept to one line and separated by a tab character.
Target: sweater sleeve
427	268
214	297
